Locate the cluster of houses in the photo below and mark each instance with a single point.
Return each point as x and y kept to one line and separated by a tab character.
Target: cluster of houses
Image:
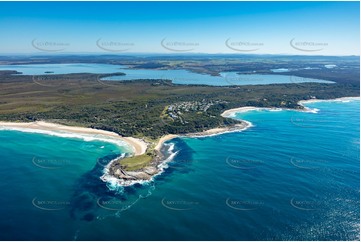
176	110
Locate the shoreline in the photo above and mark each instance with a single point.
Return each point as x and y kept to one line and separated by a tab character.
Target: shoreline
341	99
114	174
230	113
206	133
164	139
137	145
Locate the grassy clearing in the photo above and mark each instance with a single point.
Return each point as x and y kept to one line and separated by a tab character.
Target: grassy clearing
136	162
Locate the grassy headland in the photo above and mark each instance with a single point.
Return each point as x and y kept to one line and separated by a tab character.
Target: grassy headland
150	109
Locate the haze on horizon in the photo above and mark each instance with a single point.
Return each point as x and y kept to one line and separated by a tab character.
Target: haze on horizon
294	28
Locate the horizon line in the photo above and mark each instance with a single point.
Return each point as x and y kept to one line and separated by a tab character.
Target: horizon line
169	54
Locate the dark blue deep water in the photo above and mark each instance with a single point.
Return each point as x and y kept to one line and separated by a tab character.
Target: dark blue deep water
292	176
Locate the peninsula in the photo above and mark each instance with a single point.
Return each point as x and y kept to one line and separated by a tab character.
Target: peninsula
145	113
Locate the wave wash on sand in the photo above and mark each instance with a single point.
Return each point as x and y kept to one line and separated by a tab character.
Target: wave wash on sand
136	146
139	147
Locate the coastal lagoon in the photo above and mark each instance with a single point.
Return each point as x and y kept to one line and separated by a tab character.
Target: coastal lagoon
291	176
177	76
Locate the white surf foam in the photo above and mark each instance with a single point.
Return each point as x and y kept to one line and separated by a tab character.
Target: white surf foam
63	134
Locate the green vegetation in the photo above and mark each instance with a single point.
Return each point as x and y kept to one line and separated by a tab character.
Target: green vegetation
152	108
137	108
136	162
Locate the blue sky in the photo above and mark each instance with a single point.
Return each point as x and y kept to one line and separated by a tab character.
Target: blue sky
304	28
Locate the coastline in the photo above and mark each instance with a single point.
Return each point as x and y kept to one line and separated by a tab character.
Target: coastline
163	139
239	127
114	173
210	132
230	113
137	145
341	99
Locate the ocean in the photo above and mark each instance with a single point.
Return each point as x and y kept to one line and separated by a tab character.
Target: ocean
291	176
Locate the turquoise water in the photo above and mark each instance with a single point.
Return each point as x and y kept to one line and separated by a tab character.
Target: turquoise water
292	176
177	76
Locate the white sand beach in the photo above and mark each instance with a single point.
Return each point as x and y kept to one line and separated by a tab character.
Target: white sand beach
209	132
164	139
221	130
341	99
231	112
138	145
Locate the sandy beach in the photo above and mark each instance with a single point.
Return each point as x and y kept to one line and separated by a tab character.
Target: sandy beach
138	145
164	139
209	132
221	130
230	112
303	103
341	99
